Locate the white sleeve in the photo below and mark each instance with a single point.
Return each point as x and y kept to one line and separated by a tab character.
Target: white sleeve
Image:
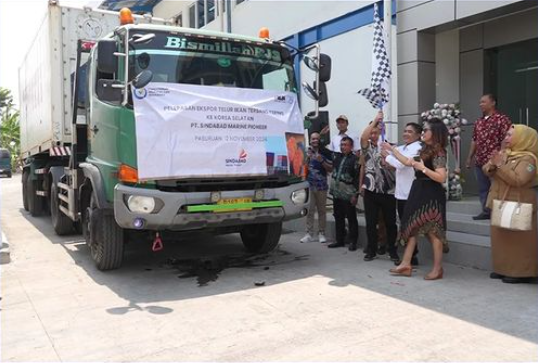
392	161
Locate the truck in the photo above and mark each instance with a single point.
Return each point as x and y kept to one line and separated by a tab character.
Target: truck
103	162
5	162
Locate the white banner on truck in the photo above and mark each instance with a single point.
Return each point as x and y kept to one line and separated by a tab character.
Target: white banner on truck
189	131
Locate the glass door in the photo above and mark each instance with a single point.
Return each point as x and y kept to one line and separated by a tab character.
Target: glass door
512	74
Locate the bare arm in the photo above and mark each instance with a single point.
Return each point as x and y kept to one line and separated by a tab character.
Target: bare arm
365	137
472	152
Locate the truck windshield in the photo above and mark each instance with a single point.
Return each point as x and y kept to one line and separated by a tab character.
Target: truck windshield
213	62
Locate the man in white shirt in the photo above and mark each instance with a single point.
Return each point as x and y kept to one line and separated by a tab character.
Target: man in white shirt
405	175
342	124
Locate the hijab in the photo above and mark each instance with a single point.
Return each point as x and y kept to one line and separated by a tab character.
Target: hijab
525	143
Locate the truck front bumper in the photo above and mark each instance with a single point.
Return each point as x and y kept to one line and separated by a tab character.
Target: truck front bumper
171	213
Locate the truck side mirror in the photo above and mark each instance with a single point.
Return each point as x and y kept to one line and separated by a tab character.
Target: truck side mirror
109	90
324	67
107	62
323	98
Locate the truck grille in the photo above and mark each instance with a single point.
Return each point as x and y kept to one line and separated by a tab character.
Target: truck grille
218	185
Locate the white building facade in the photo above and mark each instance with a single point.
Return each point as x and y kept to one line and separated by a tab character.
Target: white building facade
452	51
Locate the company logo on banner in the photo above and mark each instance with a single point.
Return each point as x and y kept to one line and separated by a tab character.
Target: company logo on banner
140	93
187	131
239	161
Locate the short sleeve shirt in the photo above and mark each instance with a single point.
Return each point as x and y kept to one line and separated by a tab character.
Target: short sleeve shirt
488	134
377	179
317	175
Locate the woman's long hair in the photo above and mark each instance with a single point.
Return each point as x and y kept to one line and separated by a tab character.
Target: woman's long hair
439	140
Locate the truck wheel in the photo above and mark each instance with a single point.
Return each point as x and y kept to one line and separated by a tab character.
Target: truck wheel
103	236
35	203
261	238
25	189
62	224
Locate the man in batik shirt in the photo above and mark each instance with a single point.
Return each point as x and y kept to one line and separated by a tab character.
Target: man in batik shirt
488	133
345	191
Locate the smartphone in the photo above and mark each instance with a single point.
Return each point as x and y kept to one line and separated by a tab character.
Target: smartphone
417	158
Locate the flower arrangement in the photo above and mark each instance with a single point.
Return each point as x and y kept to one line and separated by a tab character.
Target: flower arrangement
451	116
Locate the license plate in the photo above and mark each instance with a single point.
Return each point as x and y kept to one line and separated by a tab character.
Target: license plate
232	201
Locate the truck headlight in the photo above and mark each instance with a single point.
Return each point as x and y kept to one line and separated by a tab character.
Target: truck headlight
140	204
299	196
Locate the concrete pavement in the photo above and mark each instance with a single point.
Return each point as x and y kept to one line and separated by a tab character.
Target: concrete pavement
316	305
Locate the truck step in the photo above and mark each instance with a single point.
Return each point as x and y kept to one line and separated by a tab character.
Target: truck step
64	198
63	186
41	193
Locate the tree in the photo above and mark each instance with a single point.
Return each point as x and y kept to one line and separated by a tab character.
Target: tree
10	134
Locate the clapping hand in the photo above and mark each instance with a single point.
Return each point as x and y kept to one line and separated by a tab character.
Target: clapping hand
498	158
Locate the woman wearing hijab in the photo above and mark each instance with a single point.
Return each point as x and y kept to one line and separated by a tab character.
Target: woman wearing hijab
515	253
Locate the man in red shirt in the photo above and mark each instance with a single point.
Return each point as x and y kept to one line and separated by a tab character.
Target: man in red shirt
488	133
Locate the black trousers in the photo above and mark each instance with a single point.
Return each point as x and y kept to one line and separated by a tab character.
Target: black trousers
401	208
373	203
344	209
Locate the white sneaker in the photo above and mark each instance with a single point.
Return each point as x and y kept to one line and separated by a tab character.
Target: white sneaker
307	238
322	238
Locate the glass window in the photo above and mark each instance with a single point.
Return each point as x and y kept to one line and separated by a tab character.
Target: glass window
210	10
237	2
200	13
213	63
192	17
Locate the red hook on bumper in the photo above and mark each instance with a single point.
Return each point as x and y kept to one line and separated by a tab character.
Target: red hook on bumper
157	243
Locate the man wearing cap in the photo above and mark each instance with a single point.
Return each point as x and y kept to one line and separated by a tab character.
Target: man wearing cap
342	124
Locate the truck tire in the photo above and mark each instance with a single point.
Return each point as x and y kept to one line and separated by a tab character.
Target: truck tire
62	224
25	189
261	238
35	203
103	236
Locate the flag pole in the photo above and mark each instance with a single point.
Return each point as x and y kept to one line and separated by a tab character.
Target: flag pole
387	27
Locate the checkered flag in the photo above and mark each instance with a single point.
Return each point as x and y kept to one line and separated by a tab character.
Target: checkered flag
378	93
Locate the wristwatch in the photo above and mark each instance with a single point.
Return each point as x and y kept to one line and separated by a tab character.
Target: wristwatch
424	170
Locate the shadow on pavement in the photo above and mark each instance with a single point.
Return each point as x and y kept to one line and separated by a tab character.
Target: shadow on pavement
206	265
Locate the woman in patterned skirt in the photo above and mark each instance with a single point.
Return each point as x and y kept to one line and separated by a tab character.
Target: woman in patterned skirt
425	211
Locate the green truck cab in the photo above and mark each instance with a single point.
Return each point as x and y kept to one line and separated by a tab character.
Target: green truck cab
95	187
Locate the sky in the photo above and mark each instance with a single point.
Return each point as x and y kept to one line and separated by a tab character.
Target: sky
19	23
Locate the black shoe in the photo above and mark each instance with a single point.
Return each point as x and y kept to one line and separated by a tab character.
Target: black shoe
394	257
482	217
414	261
496	276
381	250
335	245
516	280
370	256
352	246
